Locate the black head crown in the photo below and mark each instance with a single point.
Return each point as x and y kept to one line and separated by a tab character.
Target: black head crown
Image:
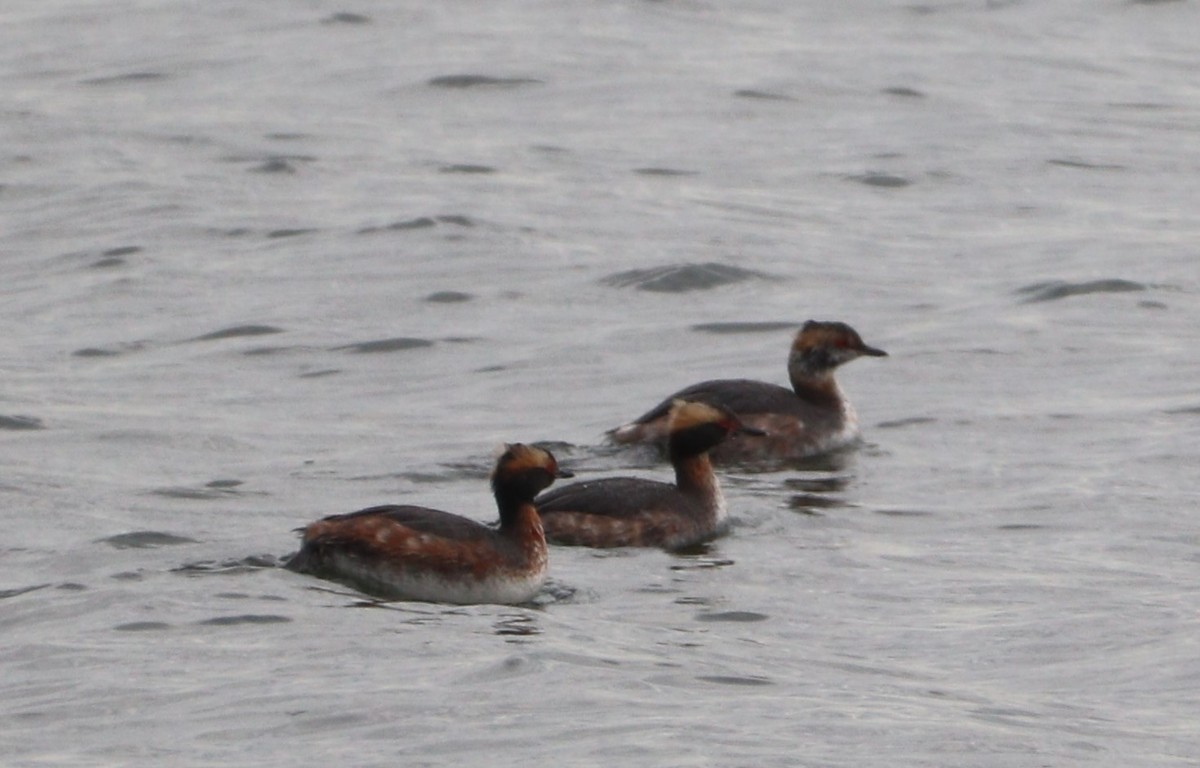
524	471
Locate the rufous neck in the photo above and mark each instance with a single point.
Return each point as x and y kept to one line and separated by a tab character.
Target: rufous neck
694	475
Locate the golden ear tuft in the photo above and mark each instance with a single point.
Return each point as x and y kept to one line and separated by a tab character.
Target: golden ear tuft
684	415
518	457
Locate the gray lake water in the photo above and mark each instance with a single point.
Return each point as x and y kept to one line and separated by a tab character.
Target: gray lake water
266	261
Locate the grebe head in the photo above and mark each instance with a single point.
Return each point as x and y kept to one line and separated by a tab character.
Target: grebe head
524	471
821	346
693	428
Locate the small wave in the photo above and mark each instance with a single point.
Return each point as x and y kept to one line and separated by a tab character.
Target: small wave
397	344
142	626
903	91
523	625
903	512
824	484
119	349
274	165
748	327
883	180
238	331
269	350
346	17
1084	166
909	422
654	171
270	162
448	297
1054	290
467	168
1143	106
249	564
750	93
319	374
217	489
245	618
702	563
276	234
145	540
421	222
115	257
554	591
127	77
187	493
680	278
477	81
735	680
21	422
15	592
741	617
811	502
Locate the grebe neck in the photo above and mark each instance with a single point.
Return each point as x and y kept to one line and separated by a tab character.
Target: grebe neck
516	513
694	477
816	386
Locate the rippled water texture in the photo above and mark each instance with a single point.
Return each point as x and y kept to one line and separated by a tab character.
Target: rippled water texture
264	262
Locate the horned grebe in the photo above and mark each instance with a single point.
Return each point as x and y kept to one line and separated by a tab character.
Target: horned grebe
632	512
416	553
810	418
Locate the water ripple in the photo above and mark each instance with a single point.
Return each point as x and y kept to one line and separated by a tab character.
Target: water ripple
16	591
397	344
477	81
741	617
883	180
909	422
216	489
751	93
142	626
448	297
811	502
239	331
1053	290
246	618
128	77
421	222
467	168
21	422
908	93
144	540
655	171
746	327
1084	166
680	278
248	564
346	17
735	680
